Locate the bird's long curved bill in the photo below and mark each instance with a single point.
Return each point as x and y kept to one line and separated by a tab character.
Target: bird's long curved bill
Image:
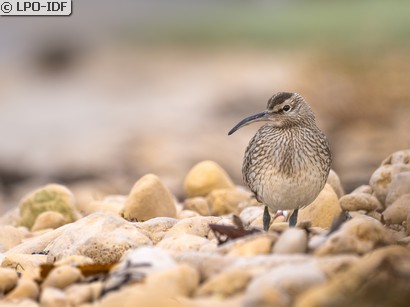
249	120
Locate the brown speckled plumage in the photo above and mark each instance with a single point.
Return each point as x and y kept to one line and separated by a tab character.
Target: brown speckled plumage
287	162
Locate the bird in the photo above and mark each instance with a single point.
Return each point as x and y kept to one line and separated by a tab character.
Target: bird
287	162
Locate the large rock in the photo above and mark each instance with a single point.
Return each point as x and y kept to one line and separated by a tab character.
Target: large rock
323	210
149	198
52	197
205	177
101	236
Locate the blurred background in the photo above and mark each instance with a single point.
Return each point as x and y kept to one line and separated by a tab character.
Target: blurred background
123	88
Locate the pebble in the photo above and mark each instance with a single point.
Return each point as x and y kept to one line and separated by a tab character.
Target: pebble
334	181
399	185
250	214
149	198
25	264
112	204
377	279
77	294
287	281
382	177
227	283
323	210
52	297
358	235
8	280
61	277
198	204
205	177
156	228
291	241
397	212
105	241
225	201
252	245
11	236
48	220
52	197
359	201
198	226
186	243
25	289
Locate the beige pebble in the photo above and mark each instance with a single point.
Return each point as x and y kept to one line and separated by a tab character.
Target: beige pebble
359	201
198	226
198	204
74	260
250	214
26	288
52	297
185	214
11	236
25	264
62	276
226	283
83	293
52	197
205	177
366	282
397	212
291	241
252	245
382	177
106	239
334	180
149	198
399	186
358	235
8	279
225	201
156	228
186	243
279	227
323	210
48	219
112	204
287	280
365	188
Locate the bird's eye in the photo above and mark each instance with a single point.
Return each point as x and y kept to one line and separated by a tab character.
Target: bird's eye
286	108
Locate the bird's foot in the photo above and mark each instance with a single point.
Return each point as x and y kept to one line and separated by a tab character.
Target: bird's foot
293	218
266	219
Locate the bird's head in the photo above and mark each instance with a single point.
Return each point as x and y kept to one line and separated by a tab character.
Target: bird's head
283	110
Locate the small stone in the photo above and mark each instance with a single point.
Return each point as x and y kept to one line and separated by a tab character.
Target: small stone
8	280
62	276
11	236
198	226
397	212
225	201
250	214
52	197
358	235
48	220
25	264
112	204
364	188
74	260
400	185
25	289
382	177
105	240
379	278
159	260
334	180
408	224
185	214
323	210
205	177
279	227
52	297
83	293
359	201
291	241
186	243
149	198
198	204
252	245
287	280
226	283
156	228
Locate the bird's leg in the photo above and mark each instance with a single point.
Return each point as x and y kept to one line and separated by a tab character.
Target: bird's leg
293	218
266	219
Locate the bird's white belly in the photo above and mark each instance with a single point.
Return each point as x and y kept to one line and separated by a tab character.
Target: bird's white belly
287	193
